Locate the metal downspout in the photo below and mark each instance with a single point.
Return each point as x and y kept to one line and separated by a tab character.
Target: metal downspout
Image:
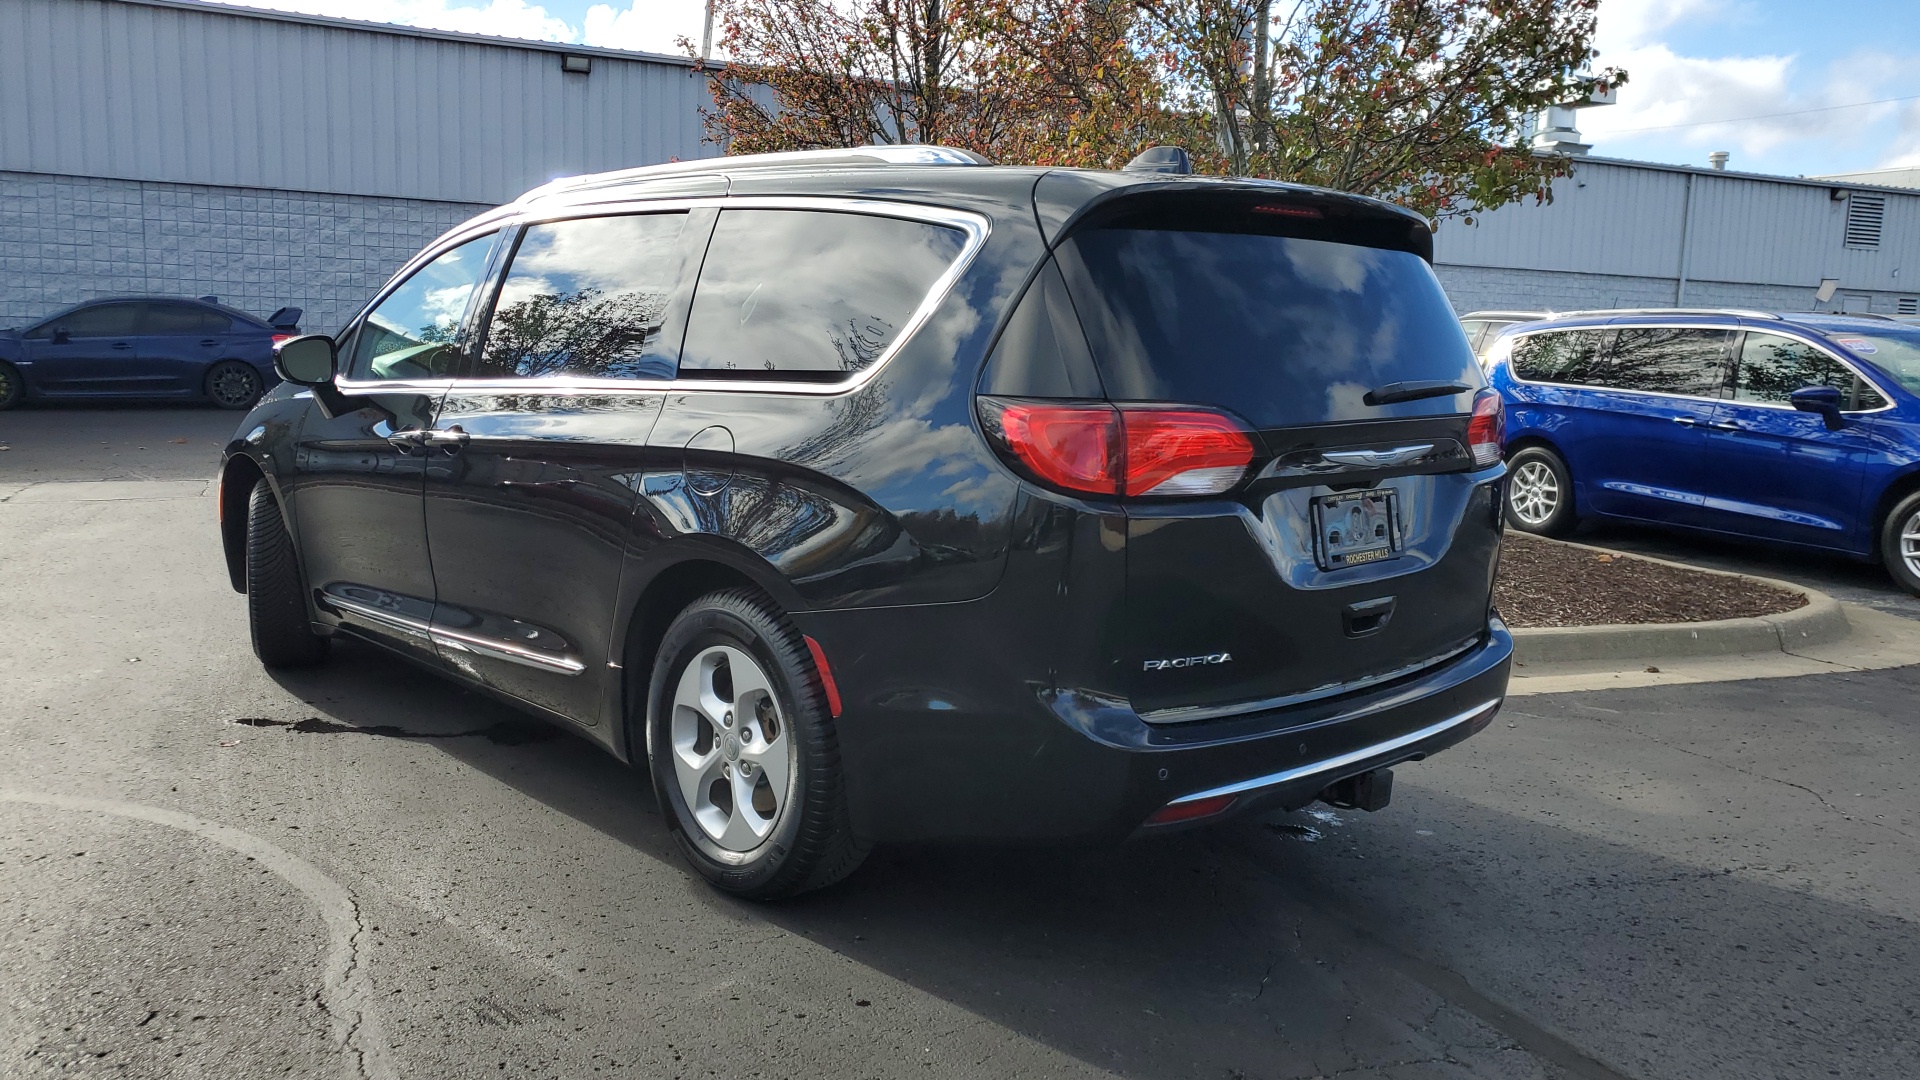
1686	246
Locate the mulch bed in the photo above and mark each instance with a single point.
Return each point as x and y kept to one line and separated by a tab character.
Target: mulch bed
1547	583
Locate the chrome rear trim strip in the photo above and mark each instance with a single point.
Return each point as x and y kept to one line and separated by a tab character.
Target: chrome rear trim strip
501	650
1351	758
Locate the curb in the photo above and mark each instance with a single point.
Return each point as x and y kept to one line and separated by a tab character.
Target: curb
1820	622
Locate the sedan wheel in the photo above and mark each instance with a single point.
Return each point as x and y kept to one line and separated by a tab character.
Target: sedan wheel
10	388
234	385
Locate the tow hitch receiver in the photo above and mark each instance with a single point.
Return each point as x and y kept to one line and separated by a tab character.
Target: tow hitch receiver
1368	791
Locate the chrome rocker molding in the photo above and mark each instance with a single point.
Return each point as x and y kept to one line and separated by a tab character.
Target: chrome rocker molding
1353	757
458	642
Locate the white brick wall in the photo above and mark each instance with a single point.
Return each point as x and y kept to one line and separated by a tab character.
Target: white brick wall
64	239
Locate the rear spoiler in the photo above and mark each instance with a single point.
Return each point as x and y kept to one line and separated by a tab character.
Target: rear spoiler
286	319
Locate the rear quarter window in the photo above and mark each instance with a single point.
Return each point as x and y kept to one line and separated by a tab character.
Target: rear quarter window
812	294
1282	330
1572	357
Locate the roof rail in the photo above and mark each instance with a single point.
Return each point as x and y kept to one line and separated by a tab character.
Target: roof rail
1850	315
899	154
1743	313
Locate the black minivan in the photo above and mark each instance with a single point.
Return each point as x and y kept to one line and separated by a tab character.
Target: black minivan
884	494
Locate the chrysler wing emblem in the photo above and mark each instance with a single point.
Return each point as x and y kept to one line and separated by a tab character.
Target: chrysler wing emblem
1377	459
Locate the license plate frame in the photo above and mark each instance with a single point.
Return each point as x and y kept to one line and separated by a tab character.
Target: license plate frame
1376	513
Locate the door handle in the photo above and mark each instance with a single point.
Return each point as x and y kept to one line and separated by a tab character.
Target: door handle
407	441
122	345
1686	421
210	342
1726	427
449	439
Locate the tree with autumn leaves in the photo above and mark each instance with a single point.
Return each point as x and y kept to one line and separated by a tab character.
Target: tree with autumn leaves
1423	102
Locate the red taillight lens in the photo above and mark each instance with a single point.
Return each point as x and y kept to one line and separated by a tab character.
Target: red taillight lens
1099	449
1183	452
1175	813
281	339
1488	428
1076	447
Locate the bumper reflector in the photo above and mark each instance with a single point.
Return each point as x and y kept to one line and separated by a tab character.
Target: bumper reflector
1191	811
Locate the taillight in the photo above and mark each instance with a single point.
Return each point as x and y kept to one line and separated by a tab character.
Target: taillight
1488	428
1102	449
281	339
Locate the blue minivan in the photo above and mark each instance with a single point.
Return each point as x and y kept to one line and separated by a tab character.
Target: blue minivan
1801	429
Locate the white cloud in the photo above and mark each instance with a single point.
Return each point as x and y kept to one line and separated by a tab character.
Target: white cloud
1671	101
647	26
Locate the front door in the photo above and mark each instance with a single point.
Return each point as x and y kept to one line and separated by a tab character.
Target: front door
1656	393
179	342
89	352
1779	473
359	474
537	450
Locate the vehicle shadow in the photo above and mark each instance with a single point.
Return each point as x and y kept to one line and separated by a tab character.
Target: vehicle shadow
1298	945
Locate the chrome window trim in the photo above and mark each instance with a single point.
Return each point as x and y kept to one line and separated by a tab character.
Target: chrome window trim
1352	757
975	228
1514	373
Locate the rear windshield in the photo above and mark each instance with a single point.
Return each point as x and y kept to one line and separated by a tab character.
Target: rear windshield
1282	330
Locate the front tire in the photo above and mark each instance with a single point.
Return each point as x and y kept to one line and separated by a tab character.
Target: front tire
1539	493
1900	543
744	755
276	596
234	385
12	389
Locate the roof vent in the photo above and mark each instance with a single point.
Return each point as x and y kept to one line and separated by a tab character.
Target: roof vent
1171	160
1718	159
1865	215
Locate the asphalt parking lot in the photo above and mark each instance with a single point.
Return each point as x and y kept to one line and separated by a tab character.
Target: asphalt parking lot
207	870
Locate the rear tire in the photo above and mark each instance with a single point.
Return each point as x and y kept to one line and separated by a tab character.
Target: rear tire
276	596
1539	493
1900	543
11	388
743	751
234	385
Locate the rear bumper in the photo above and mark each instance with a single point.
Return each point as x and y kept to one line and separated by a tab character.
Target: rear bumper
931	752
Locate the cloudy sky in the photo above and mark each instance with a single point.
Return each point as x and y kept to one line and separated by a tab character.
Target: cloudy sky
1781	84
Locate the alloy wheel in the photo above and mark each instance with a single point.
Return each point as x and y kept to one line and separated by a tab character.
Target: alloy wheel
1910	543
1534	493
234	386
730	748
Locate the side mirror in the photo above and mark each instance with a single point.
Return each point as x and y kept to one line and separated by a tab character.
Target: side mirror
306	361
1825	400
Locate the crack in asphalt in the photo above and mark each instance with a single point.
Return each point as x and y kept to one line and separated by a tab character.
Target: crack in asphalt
345	995
503	733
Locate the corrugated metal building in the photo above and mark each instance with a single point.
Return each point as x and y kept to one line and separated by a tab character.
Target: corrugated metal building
151	146
165	146
1634	234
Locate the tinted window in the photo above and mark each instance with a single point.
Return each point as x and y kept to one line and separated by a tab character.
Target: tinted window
585	297
1572	357
1279	329
103	320
1896	352
1476	332
184	319
410	334
1669	360
809	293
1773	367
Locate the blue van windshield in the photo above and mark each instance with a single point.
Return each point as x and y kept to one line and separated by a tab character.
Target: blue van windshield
1282	330
1896	352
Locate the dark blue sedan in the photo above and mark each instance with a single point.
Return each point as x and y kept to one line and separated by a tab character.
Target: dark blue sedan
1802	429
146	347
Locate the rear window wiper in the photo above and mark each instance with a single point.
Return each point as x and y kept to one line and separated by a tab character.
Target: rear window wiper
1394	393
